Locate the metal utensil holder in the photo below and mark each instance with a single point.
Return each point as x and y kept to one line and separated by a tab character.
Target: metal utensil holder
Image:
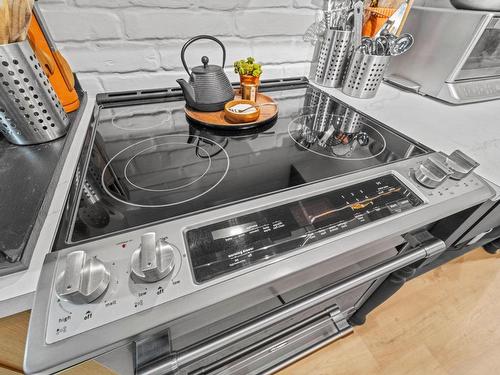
30	111
364	75
330	58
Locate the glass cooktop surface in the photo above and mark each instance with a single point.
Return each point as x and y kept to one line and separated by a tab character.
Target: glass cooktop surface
145	162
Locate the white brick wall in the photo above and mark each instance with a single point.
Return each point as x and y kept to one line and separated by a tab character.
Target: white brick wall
132	44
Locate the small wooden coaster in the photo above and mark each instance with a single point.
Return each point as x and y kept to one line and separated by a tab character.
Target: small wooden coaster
217	119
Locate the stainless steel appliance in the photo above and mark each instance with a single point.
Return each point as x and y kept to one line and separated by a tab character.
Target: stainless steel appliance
455	58
234	253
488	5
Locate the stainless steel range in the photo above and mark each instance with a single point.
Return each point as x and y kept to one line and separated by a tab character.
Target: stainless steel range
185	249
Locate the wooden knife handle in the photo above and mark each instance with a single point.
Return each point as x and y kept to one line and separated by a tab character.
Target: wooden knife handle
4	22
405	16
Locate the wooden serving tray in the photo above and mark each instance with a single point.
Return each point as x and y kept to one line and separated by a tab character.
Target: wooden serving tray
217	119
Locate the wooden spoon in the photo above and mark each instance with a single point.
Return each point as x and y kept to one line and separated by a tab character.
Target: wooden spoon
20	14
4	22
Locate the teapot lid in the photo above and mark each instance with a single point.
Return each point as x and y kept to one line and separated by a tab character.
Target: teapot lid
205	68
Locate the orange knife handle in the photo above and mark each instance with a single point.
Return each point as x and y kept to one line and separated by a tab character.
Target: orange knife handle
60	76
65	69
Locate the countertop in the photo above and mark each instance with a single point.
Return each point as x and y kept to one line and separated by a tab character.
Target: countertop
472	128
17	289
25	175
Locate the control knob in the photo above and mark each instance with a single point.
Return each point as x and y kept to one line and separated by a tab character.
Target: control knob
153	260
459	163
83	280
432	172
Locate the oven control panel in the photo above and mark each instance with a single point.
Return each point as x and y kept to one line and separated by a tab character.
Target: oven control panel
103	281
96	286
240	242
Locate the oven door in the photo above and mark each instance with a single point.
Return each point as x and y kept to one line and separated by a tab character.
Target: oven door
273	333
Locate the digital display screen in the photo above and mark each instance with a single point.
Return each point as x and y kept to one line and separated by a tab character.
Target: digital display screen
237	243
234	230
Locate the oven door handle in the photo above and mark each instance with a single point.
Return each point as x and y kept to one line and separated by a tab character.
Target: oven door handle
177	360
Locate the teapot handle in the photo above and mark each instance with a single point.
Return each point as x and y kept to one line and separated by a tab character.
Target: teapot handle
194	39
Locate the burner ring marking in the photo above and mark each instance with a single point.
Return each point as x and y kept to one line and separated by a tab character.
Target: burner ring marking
166	204
168	189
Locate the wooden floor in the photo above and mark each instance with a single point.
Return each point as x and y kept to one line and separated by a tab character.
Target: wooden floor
445	322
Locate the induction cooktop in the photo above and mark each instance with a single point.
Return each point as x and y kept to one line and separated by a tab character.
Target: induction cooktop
143	162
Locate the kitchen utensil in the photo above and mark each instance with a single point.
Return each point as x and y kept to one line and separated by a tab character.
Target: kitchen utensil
405	16
65	69
376	17
335	12
252	105
358	23
208	89
316	30
331	57
401	45
364	75
60	61
54	64
366	45
235	115
28	14
487	5
30	111
389	3
233	121
47	61
380	46
394	22
387	44
20	18
4	22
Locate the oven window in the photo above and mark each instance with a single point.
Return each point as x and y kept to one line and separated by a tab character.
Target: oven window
484	61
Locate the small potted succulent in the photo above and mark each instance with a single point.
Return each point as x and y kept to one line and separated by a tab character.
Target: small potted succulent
248	70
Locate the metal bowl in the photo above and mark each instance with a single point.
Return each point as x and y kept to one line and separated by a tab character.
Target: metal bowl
487	5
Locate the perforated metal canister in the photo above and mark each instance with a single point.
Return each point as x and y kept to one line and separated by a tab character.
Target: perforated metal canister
30	111
364	75
330	58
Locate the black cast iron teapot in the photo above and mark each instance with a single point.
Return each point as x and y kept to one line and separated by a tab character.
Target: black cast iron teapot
208	88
